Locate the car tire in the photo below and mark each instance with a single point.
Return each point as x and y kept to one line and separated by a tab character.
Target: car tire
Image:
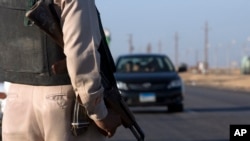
175	108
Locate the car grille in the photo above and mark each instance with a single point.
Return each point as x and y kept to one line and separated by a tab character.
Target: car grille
146	86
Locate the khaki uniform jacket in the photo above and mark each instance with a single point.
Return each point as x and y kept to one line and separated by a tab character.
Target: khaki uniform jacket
81	35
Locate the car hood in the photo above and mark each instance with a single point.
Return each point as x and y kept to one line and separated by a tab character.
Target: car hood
146	77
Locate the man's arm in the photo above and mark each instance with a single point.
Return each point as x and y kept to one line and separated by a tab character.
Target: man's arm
82	37
81	41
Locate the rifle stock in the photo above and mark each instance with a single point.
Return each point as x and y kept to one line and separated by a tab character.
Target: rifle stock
42	17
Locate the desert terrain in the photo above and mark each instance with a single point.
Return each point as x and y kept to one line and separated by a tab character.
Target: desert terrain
222	79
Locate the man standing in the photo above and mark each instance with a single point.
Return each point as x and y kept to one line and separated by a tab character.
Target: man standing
39	103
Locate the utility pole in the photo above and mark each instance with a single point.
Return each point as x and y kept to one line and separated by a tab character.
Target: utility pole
160	47
196	57
176	49
149	48
130	42
206	47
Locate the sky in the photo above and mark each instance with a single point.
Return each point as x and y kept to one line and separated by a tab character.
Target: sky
156	22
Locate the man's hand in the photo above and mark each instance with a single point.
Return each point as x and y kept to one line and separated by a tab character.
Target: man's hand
59	67
109	124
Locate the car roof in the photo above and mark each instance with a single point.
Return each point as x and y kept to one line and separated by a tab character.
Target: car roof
142	55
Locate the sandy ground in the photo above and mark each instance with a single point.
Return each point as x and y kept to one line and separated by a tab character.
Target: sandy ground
233	80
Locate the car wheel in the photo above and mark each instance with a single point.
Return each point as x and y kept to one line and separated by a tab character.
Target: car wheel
175	108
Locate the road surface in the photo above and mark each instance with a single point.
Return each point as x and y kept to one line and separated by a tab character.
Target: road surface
208	115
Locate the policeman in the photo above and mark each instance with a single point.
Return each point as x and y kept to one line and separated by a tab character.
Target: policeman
39	103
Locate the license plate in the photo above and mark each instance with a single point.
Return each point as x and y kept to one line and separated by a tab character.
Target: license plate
147	97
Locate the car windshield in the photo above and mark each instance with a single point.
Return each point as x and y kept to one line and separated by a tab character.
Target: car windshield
130	64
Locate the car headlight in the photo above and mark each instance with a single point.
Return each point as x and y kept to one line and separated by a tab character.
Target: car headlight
121	85
175	84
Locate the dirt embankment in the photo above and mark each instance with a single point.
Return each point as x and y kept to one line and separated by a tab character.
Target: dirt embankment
233	80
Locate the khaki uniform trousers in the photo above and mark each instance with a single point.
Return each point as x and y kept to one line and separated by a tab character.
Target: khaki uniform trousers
41	113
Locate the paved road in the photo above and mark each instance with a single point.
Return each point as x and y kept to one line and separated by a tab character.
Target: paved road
207	117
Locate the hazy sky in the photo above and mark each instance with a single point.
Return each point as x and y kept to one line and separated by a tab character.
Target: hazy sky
157	21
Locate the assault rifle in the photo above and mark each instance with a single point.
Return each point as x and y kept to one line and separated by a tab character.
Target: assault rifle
42	14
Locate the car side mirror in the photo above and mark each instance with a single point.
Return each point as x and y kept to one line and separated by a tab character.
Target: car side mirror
180	70
183	68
